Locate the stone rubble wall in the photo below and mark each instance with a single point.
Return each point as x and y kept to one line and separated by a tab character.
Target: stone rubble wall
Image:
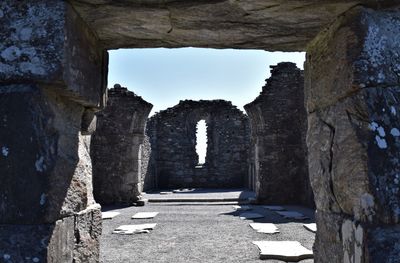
117	147
172	134
278	127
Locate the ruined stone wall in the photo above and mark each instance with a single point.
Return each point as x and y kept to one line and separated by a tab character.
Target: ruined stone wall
278	127
173	138
116	147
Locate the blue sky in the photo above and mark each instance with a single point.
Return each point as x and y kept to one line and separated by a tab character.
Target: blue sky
165	76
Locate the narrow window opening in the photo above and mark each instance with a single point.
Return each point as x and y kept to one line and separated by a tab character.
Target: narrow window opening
201	141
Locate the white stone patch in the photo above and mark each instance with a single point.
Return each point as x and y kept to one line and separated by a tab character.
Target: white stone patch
35	259
39	164
109	215
42	199
144	215
395	132
381	142
5	151
381	131
241	207
311	227
393	110
267	228
373	126
6	256
249	215
283	250
292	215
134	229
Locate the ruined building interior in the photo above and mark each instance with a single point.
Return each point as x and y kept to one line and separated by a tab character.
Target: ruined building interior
59	124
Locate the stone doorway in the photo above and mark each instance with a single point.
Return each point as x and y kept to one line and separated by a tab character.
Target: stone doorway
53	68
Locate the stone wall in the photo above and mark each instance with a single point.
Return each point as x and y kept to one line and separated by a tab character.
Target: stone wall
116	147
278	120
174	161
51	80
353	93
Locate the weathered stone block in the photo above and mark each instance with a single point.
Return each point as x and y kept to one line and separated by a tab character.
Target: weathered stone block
88	225
353	135
359	50
45	171
354	151
38	243
46	41
71	239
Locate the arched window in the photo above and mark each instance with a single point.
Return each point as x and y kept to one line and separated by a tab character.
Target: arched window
201	141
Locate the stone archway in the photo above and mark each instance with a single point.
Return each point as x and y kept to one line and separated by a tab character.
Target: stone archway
53	66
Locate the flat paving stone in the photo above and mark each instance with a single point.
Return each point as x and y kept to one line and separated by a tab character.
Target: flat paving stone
311	227
250	215
283	250
292	215
134	229
267	228
109	215
144	215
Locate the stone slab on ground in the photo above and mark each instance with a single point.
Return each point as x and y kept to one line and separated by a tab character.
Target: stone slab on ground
311	227
283	250
201	195
109	215
292	215
274	207
196	232
134	229
267	228
250	215
144	215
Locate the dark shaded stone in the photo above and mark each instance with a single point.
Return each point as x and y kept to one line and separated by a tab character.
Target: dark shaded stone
174	162
278	128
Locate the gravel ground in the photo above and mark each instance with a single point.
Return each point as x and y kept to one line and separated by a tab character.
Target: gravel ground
196	232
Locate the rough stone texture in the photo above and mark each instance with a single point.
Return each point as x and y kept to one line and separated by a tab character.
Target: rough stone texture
352	84
257	24
51	67
40	141
71	239
278	128
148	181
116	147
46	41
174	159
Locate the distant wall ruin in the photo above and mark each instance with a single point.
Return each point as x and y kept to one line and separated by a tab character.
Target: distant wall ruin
278	167
174	161
116	147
